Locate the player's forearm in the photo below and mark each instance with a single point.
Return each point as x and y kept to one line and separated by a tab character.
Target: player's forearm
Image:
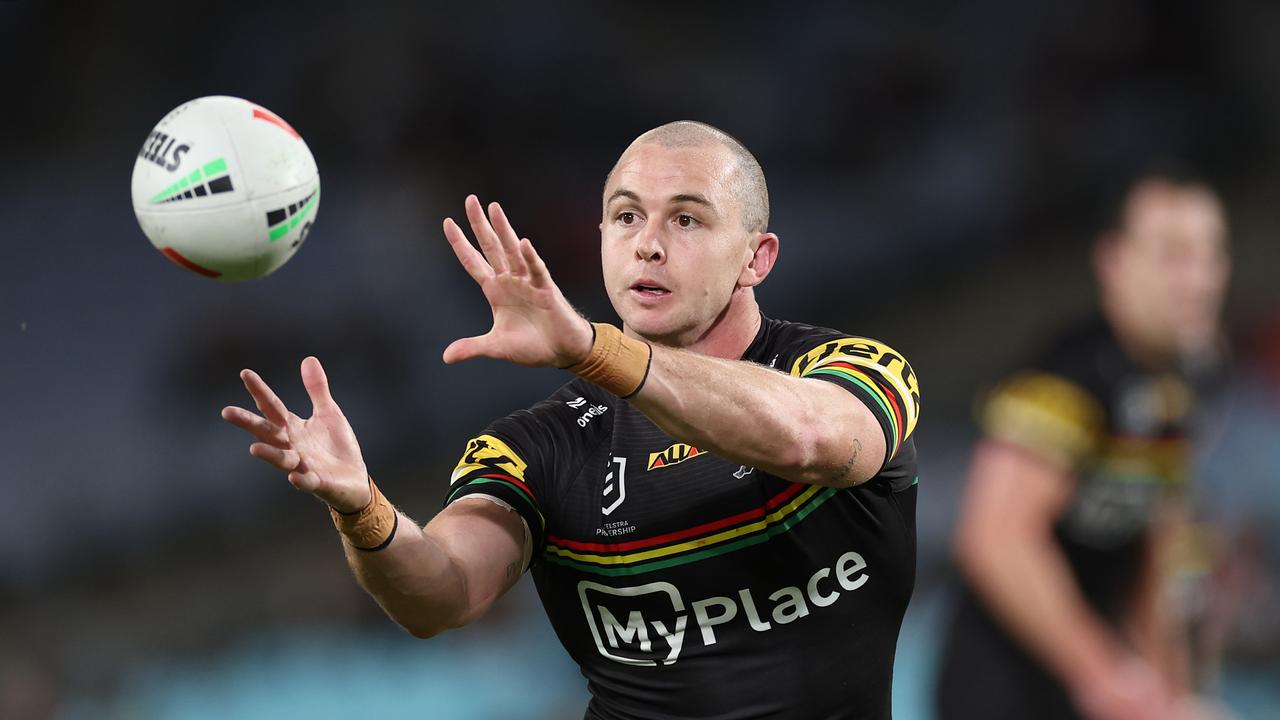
1154	628
1026	582
803	430
414	581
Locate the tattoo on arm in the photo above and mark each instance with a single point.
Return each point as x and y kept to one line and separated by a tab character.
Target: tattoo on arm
513	570
847	468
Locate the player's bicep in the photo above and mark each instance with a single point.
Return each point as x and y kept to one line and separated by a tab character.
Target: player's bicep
879	378
1013	494
488	544
856	443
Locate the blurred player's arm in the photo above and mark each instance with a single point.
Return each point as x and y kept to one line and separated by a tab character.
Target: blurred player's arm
1004	546
1155	625
427	579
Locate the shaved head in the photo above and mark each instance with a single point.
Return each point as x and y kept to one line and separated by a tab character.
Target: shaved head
747	180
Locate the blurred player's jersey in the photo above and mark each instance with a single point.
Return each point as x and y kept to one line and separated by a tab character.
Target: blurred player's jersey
1121	430
689	586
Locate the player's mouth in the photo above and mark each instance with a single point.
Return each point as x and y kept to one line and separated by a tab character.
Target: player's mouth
648	289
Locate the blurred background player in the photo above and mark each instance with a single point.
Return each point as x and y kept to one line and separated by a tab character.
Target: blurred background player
1077	495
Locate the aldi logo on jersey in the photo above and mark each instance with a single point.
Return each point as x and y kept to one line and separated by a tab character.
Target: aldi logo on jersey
674	455
651	624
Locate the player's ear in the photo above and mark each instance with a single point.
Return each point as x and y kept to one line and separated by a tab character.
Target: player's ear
762	253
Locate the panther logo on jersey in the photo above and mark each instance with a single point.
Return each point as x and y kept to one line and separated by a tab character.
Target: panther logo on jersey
487	452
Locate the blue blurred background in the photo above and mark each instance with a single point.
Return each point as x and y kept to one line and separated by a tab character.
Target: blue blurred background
935	171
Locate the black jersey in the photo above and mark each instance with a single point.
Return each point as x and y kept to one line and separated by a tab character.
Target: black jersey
688	586
1122	430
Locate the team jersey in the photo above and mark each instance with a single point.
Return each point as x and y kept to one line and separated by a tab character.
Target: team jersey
688	586
1121	432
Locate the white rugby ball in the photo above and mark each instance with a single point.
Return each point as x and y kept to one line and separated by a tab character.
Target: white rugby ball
225	188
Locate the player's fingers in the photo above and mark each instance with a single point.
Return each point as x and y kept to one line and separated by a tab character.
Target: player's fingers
538	273
256	425
317	385
307	482
279	458
508	238
268	403
472	261
485	236
467	348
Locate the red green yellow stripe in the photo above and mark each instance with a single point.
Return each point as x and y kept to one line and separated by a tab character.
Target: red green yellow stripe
864	380
775	524
716	538
792	490
522	491
887	391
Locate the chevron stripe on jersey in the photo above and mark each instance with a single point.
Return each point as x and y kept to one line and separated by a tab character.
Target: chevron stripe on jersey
880	372
781	513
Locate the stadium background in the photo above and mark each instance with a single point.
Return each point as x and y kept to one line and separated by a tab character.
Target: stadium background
934	171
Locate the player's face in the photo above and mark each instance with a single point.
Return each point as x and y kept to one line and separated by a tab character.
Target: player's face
672	240
1173	259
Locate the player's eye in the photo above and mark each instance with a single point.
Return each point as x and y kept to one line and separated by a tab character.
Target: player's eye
687	221
626	217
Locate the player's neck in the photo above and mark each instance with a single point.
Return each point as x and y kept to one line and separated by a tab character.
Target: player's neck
727	336
733	331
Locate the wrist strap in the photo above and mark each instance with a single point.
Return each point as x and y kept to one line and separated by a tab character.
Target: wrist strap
372	528
616	362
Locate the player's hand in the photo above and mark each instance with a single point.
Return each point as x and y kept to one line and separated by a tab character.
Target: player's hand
533	324
320	454
1131	690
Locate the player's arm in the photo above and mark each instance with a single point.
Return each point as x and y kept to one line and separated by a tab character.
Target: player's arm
1154	626
1005	548
427	579
450	572
803	429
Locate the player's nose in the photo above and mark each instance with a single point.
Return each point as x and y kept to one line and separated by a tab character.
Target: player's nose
649	246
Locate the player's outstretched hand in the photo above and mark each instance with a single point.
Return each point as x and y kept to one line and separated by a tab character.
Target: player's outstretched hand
320	454
533	324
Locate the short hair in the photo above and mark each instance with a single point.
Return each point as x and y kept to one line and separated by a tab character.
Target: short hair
751	188
1113	207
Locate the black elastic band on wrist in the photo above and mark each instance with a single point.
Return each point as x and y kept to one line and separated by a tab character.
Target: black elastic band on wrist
647	366
395	523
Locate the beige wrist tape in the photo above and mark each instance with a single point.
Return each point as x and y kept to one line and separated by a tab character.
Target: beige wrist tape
616	362
373	527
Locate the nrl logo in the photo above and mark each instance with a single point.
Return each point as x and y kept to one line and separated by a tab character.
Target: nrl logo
673	455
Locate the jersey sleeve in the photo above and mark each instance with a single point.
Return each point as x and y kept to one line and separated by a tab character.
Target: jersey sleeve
1047	414
873	372
511	461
